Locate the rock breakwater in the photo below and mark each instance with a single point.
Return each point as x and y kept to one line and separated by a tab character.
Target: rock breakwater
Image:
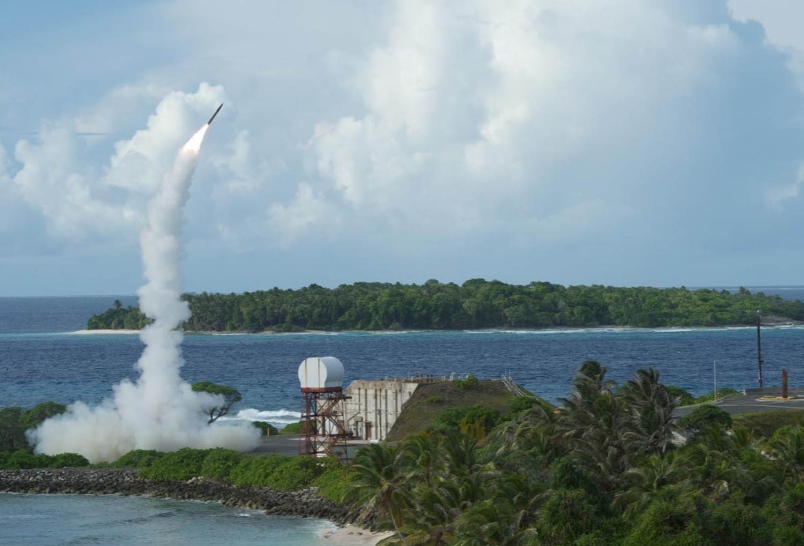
108	481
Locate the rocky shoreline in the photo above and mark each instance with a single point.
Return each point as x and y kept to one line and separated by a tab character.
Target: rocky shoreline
112	481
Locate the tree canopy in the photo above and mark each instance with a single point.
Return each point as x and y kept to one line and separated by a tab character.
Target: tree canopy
475	304
230	395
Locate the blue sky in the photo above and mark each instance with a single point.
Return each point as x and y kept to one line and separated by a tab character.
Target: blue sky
618	142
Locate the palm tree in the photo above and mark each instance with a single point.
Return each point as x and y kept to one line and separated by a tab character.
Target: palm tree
532	429
431	517
646	481
420	458
650	406
787	445
379	485
492	522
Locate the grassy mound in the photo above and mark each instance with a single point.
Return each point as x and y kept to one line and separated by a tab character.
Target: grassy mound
431	400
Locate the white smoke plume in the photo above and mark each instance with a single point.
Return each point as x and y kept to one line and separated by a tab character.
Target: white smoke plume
159	410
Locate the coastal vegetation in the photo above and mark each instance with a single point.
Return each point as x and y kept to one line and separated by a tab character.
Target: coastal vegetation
476	303
609	465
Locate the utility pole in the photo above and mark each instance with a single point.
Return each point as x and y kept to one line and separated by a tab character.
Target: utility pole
714	373
759	349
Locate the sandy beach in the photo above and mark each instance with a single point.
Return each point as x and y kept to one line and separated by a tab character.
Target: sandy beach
351	535
99	332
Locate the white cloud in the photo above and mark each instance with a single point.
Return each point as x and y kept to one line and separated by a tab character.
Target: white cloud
59	175
497	129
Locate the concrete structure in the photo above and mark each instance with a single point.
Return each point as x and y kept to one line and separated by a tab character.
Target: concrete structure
372	407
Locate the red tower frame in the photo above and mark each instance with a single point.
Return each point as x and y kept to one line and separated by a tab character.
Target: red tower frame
324	431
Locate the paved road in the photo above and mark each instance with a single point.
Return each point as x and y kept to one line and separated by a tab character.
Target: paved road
750	403
288	444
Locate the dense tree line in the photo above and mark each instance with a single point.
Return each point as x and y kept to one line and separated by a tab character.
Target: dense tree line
605	468
475	304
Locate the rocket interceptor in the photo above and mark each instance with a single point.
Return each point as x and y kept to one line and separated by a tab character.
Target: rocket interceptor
215	114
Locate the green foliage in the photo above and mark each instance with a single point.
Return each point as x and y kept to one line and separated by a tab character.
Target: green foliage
118	318
277	471
219	462
22	459
684	397
139	458
473	421
267	428
523	403
292	428
470	383
567	515
15	421
33	417
334	483
68	460
704	417
230	397
475	304
256	471
12	433
669	523
434	399
180	465
763	424
295	473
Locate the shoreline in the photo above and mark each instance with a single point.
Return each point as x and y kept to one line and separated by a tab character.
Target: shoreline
113	481
555	329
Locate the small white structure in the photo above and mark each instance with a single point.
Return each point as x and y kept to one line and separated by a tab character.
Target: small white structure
321	374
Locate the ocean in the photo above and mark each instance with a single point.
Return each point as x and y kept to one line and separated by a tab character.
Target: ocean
43	358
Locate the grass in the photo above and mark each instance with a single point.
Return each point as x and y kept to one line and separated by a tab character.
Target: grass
432	399
764	424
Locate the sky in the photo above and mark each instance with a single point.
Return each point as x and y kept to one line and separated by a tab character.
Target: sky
616	142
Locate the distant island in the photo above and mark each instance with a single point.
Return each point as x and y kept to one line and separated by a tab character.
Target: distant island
476	304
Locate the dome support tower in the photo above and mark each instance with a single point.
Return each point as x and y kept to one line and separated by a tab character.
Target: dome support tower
324	432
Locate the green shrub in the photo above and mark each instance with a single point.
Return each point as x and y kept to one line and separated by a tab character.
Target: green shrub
434	399
219	463
523	403
468	417
181	465
764	424
267	428
293	428
139	458
703	417
12	433
295	473
684	397
33	417
335	481
470	383
22	459
256	471
67	460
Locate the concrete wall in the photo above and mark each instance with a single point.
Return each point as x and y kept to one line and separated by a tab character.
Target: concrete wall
375	405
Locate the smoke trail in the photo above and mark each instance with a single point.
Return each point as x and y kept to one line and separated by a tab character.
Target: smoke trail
159	410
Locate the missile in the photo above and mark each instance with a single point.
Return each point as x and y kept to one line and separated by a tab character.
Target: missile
215	114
